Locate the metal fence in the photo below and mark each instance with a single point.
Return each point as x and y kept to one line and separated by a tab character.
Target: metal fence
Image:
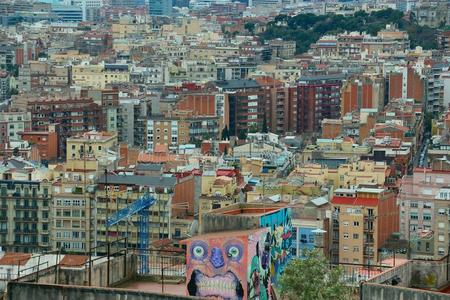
353	274
163	263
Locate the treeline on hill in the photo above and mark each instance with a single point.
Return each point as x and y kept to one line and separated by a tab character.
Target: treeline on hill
306	29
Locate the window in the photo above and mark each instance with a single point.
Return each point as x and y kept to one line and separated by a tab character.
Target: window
355	236
414	204
355	223
345	235
414	216
426	217
441	238
441	251
441	225
345	223
345	248
355	249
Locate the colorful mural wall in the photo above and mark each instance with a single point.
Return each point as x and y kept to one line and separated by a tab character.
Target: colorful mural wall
258	274
280	225
228	266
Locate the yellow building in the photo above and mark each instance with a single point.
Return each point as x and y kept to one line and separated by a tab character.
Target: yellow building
71	226
216	192
94	144
346	175
128	26
335	148
68	56
87	75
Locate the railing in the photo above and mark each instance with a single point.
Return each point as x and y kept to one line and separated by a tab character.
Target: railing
164	263
353	274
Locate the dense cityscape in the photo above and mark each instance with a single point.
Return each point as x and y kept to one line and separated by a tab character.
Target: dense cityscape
215	149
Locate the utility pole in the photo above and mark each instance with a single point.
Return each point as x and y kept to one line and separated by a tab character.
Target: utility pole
107	206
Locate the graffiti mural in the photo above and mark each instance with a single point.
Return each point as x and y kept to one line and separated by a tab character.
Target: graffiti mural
258	274
228	266
280	226
216	267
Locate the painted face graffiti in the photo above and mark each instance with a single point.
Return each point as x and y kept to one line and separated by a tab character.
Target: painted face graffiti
216	269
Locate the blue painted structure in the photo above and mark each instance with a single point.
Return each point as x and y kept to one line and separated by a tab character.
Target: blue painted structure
141	206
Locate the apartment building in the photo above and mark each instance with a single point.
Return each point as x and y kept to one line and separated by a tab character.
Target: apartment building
12	123
362	92
72	209
405	82
46	142
5	91
25	207
246	105
132	122
318	98
349	175
424	197
116	192
88	75
74	116
362	220
181	129
92	143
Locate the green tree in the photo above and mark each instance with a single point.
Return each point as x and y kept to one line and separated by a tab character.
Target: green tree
264	129
225	133
250	27
312	278
242	135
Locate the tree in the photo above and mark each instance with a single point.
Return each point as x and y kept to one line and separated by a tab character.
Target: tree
312	278
264	129
242	135
250	27
225	133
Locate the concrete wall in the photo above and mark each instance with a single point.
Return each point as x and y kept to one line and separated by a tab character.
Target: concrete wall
373	291
23	290
79	276
429	274
219	223
403	271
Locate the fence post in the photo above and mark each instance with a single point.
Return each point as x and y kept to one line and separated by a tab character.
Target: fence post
107	268
162	274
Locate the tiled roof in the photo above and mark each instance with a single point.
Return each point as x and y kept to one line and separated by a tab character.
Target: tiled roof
357	201
15	259
73	261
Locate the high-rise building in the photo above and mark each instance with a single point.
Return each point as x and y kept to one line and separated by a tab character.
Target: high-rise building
246	105
160	7
318	98
362	92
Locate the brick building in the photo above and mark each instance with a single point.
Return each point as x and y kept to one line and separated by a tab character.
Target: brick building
406	83
362	92
45	141
318	99
73	116
246	104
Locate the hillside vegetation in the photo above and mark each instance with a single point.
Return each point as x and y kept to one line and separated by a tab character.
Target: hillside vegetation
306	29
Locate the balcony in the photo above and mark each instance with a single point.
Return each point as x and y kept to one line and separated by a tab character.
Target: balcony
23	219
25	207
26	231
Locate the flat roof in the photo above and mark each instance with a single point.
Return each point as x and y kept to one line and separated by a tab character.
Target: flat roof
154	181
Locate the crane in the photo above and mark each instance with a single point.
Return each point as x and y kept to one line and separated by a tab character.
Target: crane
141	206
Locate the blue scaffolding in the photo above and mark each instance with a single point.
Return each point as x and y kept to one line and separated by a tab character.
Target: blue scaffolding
141	206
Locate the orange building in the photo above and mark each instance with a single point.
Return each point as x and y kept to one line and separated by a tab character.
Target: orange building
406	84
331	128
362	92
363	220
45	141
